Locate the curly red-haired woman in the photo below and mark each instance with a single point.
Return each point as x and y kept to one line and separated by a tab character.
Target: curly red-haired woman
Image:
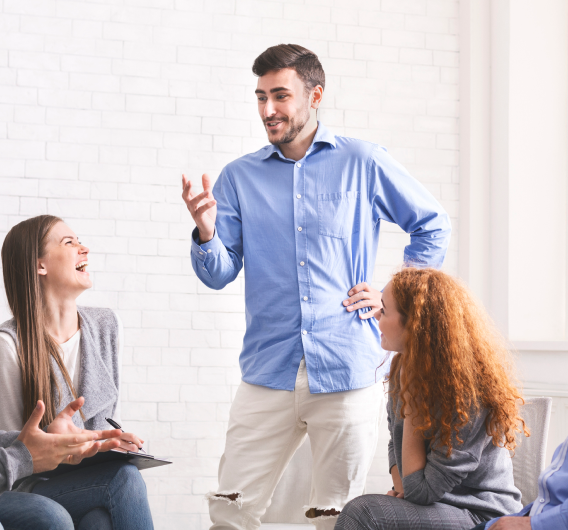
452	411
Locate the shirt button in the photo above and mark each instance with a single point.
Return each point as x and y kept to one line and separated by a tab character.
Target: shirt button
201	252
298	164
302	263
298	196
304	332
305	298
541	500
209	251
299	229
204	269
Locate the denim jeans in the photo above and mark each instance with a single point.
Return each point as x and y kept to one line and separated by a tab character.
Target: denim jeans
111	496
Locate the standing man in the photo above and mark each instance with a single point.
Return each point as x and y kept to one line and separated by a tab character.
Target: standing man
304	213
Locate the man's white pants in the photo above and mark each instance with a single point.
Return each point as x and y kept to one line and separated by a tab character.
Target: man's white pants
266	427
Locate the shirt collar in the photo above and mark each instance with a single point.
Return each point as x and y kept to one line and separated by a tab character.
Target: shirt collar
323	135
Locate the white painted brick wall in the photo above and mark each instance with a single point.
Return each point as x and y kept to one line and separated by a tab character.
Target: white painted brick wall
104	103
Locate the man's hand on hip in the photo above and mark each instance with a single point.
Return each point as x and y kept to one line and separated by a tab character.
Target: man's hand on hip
201	206
363	295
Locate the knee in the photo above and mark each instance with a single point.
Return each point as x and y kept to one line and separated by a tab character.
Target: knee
355	515
128	476
49	515
30	510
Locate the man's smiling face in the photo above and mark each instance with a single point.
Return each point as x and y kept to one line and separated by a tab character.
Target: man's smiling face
283	105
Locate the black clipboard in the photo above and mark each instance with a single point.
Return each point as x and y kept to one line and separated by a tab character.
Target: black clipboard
140	460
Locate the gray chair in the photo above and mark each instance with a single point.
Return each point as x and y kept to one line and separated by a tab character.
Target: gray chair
529	459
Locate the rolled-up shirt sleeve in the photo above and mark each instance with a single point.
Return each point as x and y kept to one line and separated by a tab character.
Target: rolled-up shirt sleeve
399	198
440	475
219	261
15	460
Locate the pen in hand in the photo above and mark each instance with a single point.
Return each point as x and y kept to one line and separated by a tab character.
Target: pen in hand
117	426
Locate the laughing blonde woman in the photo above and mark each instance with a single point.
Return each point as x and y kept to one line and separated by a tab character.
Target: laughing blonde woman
54	351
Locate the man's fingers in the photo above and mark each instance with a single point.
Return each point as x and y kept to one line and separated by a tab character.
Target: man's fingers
355	297
400	495
186	192
202	209
359	305
368	314
358	288
206	182
194	202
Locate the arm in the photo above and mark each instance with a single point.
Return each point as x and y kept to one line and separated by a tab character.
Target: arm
217	242
440	474
11	394
15	460
393	469
399	198
413	447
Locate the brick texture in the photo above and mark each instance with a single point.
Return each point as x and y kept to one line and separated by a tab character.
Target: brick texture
104	103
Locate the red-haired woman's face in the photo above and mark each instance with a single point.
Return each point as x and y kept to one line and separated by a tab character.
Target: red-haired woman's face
393	333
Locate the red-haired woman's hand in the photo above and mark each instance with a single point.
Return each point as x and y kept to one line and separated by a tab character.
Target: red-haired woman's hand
513	523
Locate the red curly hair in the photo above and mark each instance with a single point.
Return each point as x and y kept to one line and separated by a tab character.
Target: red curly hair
454	361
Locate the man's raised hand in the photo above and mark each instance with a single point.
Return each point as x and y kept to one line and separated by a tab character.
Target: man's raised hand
202	207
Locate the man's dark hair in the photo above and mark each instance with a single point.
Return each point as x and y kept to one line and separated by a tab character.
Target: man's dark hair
304	61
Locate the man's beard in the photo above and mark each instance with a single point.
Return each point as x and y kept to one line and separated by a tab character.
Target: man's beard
295	126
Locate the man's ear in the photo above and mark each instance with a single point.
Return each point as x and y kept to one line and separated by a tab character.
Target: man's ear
41	270
317	96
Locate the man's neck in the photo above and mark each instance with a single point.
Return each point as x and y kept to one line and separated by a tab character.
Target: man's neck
297	149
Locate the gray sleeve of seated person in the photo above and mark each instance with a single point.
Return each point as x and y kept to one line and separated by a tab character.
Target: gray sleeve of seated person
15	460
442	473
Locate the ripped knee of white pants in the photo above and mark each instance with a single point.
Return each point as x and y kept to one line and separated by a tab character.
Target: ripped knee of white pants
320	513
230	497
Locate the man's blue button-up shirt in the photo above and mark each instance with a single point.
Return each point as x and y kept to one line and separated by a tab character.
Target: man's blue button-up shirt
308	231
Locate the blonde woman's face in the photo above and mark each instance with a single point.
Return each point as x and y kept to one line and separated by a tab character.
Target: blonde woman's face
63	267
393	333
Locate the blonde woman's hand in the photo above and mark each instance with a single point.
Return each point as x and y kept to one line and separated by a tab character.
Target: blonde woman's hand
50	450
130	442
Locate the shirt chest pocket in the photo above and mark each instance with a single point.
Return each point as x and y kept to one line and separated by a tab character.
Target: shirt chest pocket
339	214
